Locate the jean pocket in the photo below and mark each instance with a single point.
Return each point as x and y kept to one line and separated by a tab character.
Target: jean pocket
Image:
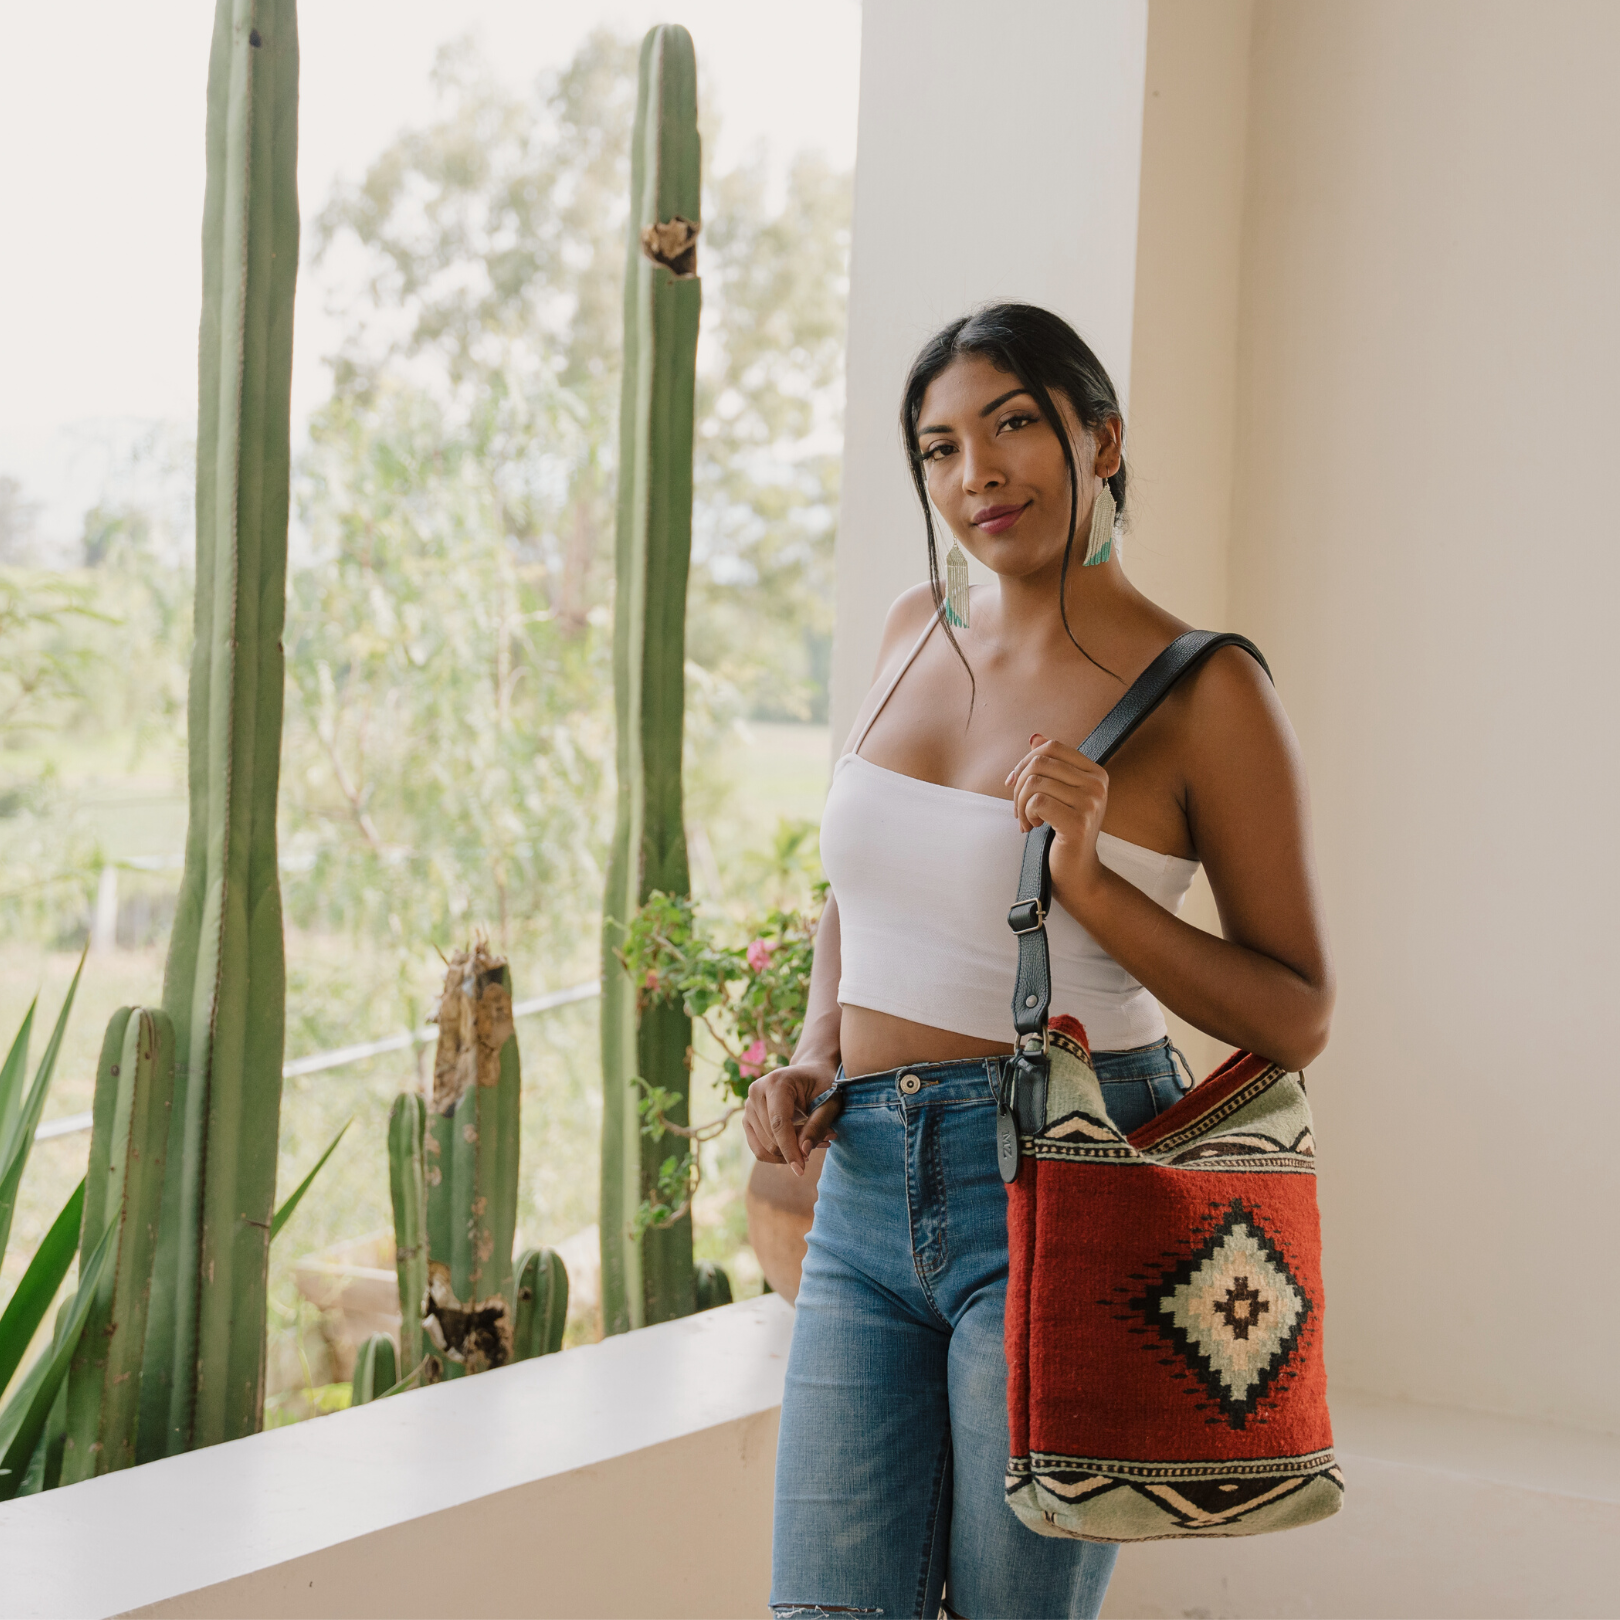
1167	1091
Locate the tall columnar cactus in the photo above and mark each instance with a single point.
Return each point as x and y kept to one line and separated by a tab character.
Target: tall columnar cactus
375	1370
224	987
470	1159
464	1304
123	1195
650	1279
540	1305
407	1125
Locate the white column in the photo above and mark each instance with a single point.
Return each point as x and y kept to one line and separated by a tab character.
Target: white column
999	156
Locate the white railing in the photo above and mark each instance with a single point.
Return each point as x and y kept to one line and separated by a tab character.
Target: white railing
338	1057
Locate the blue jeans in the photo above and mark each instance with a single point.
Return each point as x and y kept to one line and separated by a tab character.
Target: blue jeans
893	1447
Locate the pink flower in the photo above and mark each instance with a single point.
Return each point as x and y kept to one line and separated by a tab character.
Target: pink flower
752	1062
652	979
759	955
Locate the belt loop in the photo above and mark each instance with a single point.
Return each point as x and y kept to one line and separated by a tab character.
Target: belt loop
1185	1065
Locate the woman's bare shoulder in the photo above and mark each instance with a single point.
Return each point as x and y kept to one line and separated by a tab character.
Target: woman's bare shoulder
1233	723
1233	687
908	616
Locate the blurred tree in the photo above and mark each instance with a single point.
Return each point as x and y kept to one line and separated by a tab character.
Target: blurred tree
17	519
50	656
445	742
770	437
449	713
490	253
490	248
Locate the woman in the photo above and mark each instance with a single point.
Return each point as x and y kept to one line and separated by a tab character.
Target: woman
894	1430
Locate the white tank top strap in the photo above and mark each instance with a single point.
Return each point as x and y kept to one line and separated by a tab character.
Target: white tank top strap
899	675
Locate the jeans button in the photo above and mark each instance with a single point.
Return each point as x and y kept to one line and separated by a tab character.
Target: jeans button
910	1084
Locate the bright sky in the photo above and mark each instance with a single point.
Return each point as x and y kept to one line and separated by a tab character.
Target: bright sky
101	177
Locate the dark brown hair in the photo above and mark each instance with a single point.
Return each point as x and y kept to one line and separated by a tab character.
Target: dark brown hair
1047	356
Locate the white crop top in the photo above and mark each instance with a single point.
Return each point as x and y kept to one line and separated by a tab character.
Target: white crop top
923	875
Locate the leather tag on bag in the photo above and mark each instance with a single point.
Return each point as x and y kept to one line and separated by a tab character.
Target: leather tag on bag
1006	1145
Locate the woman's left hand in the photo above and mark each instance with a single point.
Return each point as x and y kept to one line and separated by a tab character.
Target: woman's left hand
1058	786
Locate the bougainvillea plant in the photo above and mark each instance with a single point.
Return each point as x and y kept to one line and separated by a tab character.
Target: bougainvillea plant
751	997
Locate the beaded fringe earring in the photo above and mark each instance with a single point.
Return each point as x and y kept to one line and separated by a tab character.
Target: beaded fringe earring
1100	542
956	587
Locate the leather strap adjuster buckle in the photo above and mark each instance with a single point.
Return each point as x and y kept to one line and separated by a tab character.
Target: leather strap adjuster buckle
1025	917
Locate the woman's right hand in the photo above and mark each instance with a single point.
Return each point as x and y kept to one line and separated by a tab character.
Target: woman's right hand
777	1120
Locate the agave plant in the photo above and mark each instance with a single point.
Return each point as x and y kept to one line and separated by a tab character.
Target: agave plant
75	1412
25	1415
20	1108
30	1411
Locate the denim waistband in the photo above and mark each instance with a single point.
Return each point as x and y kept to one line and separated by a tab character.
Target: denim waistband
972	1079
1140	1062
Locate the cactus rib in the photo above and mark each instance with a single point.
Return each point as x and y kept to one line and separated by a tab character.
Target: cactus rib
541	1304
406	1123
123	1197
224	984
650	1279
375	1370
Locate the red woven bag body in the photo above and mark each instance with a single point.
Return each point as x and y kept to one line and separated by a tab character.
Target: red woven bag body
1164	1312
1164	1301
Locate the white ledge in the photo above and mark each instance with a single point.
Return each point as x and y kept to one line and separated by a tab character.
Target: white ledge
634	1477
254	1526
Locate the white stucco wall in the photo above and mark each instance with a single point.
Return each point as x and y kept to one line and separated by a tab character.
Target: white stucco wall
1429	343
997	159
1370	334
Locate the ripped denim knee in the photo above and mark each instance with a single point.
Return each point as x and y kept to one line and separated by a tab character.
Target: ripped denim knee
792	1611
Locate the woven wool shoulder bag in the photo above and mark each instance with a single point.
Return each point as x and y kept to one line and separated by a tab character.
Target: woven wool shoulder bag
1164	1302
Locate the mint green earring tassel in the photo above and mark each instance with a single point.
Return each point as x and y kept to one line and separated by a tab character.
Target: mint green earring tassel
1100	541
956	587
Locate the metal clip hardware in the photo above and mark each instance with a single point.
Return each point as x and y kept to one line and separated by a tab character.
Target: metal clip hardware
1026	916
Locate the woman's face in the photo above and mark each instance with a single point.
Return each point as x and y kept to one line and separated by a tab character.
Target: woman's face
995	466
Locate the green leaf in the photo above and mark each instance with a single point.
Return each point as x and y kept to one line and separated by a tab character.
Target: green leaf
24	1417
11	1078
28	1305
14	1154
284	1214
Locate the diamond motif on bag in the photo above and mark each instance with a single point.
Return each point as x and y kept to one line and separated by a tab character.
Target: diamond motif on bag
1233	1310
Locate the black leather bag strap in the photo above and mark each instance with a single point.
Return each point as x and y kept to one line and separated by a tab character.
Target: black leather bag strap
1155	684
1032	991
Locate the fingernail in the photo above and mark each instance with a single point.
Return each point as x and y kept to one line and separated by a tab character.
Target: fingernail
798	1169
